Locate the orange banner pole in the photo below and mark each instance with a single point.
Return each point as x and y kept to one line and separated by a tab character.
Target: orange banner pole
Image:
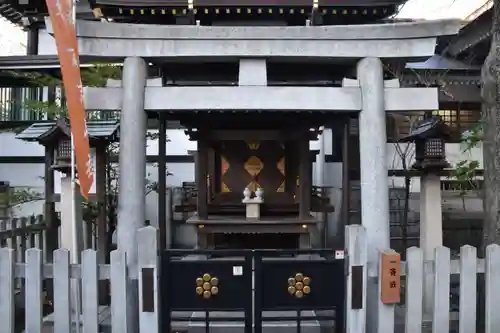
60	12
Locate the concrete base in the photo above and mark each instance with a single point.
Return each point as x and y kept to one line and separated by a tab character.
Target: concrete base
253	211
252	208
290	326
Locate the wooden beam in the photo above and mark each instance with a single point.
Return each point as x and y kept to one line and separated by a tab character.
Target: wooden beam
254	135
162	181
305	177
201	178
102	219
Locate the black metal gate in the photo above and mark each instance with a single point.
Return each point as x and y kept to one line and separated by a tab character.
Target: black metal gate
200	291
299	289
252	290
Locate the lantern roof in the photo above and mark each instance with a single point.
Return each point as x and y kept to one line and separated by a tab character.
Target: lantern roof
47	132
432	127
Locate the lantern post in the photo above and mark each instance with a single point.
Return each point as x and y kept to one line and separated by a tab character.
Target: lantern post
429	137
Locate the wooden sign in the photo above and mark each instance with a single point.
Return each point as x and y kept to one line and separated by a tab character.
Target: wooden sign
390	277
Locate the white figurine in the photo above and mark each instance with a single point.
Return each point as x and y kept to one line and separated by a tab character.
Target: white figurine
246	193
259	193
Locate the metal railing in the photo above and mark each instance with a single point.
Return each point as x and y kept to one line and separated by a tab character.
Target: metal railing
32	104
17	104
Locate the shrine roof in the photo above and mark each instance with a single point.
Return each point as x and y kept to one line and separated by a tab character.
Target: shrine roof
438	62
42	131
243	3
473	41
26	13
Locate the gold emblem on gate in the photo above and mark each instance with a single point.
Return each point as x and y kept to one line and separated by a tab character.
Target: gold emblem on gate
207	286
299	285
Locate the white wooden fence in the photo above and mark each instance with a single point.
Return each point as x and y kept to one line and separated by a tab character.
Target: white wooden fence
34	270
89	272
23	233
415	269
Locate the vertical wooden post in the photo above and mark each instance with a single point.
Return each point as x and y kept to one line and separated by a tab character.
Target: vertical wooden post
52	226
169	202
346	182
102	217
291	167
201	177
49	207
101	201
305	177
162	180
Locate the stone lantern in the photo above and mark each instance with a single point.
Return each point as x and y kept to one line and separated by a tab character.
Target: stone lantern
429	136
62	160
57	137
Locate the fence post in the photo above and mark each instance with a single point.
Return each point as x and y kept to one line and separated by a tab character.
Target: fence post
492	318
414	289
468	289
7	290
118	279
442	268
147	239
33	291
90	291
357	248
62	298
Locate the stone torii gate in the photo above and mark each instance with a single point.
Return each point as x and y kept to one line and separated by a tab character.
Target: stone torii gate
369	95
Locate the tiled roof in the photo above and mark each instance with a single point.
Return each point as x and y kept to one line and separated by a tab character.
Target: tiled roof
96	130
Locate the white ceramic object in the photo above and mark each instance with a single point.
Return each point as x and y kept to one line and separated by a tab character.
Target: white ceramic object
246	193
259	193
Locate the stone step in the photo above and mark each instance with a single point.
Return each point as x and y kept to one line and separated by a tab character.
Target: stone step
237	326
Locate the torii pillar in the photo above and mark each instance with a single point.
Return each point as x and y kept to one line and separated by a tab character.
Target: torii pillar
132	167
374	183
374	176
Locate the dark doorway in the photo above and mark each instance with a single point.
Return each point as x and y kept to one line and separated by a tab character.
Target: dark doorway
256	241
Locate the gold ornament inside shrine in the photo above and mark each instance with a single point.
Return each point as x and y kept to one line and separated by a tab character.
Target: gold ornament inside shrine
299	285
207	286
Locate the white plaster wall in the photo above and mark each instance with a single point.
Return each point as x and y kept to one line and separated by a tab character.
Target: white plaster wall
13	39
30	175
46	43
